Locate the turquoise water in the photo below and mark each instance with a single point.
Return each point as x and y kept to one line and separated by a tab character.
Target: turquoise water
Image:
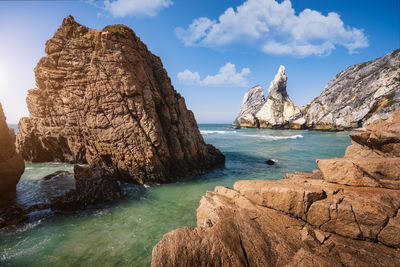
123	233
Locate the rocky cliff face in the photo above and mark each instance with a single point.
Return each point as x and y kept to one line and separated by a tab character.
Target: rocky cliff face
104	99
346	214
356	97
275	111
12	165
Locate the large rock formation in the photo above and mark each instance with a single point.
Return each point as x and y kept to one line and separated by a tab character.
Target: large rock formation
12	165
356	97
104	99
343	215
276	111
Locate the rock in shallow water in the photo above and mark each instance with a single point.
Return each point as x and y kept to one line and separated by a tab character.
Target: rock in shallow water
104	99
93	186
56	174
12	165
306	219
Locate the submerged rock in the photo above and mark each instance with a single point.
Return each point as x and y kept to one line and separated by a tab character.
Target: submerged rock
270	162
12	165
56	174
93	186
104	99
321	218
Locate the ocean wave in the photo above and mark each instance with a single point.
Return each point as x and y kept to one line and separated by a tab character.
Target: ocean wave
274	137
216	132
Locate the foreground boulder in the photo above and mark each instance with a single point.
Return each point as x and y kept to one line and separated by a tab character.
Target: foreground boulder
12	165
93	186
104	99
321	218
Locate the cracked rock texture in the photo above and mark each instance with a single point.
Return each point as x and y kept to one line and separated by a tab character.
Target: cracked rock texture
358	96
104	99
346	216
12	165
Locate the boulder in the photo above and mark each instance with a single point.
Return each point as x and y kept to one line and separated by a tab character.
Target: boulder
104	99
12	165
11	214
93	186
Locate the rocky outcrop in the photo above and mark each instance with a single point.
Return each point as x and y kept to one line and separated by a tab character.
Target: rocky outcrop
358	96
331	217
104	99
12	165
252	102
275	111
92	186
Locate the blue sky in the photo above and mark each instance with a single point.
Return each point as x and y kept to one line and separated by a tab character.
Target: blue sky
214	51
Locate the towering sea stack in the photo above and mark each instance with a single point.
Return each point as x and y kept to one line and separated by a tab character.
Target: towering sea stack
358	96
347	214
12	165
104	99
276	111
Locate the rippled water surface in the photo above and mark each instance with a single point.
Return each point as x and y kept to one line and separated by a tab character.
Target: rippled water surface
123	233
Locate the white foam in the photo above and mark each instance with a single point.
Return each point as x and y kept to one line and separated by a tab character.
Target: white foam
216	132
273	137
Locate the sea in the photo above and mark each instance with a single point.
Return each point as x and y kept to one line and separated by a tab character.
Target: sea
123	233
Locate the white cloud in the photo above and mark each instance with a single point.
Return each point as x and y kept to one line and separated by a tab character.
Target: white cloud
276	27
145	8
226	75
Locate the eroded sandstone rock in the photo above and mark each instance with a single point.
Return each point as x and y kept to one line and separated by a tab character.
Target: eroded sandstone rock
338	216
104	99
12	165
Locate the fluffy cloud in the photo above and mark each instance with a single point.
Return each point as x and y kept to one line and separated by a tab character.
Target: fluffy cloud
122	8
226	75
276	27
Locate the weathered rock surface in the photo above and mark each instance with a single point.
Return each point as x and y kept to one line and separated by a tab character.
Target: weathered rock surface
11	214
358	96
104	99
275	111
306	219
93	186
252	102
12	165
